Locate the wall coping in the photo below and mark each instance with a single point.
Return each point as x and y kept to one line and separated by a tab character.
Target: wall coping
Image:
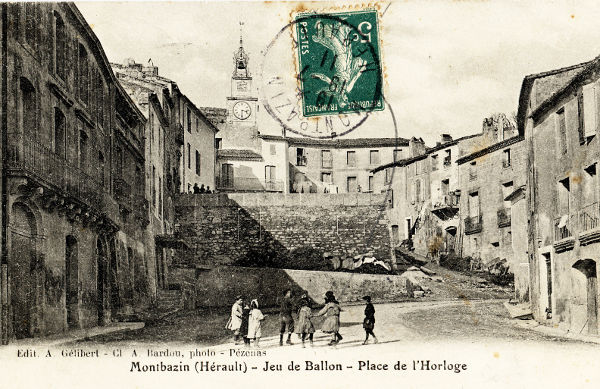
280	199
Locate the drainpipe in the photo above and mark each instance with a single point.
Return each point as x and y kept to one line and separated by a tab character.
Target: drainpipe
4	257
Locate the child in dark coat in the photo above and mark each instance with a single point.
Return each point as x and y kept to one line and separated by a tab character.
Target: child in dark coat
244	326
369	321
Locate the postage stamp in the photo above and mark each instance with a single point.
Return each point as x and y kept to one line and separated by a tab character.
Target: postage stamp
339	67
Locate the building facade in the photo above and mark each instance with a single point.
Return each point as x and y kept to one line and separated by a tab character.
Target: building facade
340	165
558	114
73	244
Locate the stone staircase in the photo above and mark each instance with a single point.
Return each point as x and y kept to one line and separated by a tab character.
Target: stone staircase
168	301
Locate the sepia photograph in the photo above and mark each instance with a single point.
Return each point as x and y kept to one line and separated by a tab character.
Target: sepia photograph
309	194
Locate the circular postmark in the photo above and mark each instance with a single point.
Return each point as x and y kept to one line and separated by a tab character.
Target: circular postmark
329	89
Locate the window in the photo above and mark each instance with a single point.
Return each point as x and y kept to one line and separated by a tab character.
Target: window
473	171
397	155
351	185
374	157
388	176
218	143
562	130
32	24
59	132
506	158
119	162
300	157
83	73
326	178
351	158
270	175
273	150
445	187
227	175
326	160
83	145
507	189
434	162
395	234
370	187
159	195
418	191
189	120
590	185
197	162
154	186
589	112
564	190
28	108
197	125
189	156
473	204
60	54
447	158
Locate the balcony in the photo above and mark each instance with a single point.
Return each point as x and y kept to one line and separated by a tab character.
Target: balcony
72	188
472	175
589	224
446	206
564	228
447	162
503	217
589	217
473	225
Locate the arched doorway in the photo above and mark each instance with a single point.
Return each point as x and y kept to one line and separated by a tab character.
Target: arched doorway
22	271
100	280
588	268
72	281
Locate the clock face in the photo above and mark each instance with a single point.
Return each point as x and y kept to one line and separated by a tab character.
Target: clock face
242	110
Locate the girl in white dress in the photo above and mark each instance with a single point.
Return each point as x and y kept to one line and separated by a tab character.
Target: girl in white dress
254	323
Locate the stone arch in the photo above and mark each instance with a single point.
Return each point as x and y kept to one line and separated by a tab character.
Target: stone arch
588	268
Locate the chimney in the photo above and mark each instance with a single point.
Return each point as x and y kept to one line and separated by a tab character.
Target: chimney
446	138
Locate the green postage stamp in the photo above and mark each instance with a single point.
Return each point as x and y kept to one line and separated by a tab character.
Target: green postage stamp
339	63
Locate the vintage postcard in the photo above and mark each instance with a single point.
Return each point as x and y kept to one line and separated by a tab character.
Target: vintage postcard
329	194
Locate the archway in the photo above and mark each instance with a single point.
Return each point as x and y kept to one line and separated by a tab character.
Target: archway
72	281
22	270
588	268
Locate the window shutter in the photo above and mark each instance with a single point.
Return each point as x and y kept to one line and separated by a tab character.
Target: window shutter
589	110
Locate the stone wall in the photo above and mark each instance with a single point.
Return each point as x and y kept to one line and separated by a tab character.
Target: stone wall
223	228
219	286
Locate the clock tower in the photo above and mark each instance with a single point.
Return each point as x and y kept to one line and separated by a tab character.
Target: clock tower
242	103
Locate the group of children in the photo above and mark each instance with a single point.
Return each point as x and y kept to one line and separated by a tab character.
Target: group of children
245	321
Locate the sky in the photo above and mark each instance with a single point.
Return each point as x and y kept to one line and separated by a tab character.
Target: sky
448	64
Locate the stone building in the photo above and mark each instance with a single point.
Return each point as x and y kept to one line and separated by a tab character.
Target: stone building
558	115
73	253
488	178
424	193
340	165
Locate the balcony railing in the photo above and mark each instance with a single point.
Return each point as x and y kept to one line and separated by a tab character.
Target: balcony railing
473	224
589	217
445	201
564	227
47	167
504	217
472	175
447	161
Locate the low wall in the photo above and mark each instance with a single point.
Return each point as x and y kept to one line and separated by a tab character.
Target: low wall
221	229
218	287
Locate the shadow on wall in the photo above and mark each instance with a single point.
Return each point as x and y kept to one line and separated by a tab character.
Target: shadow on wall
219	287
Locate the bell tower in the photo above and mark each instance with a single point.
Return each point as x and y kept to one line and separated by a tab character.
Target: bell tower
242	103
